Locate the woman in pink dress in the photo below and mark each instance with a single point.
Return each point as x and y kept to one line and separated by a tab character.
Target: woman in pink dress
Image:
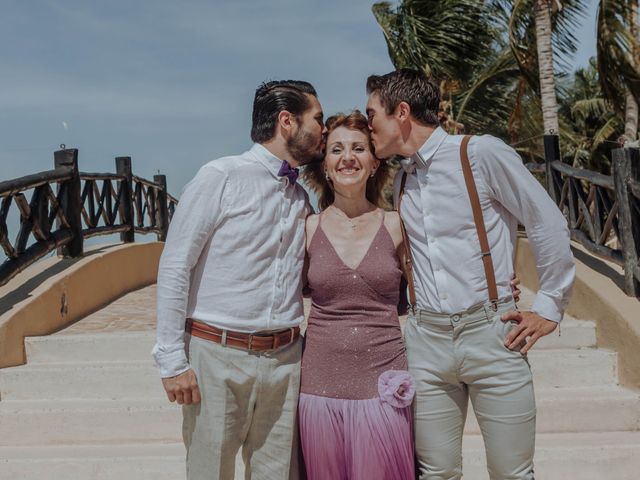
355	396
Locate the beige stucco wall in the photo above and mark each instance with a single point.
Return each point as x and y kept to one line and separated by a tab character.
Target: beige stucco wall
55	293
597	296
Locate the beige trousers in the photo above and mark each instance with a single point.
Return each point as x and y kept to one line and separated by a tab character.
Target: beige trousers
249	401
457	357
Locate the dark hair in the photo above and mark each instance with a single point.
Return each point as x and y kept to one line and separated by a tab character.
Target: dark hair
412	86
314	174
272	98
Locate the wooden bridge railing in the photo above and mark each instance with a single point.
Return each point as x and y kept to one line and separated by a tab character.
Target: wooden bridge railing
83	205
603	211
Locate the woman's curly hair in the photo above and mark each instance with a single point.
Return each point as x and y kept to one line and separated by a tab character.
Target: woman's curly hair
314	174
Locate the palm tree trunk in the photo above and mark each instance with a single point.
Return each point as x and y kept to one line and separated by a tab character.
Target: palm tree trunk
631	106
545	65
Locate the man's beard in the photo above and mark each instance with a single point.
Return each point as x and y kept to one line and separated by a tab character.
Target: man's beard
304	148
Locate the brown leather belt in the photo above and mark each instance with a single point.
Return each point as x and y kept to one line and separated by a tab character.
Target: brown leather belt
247	341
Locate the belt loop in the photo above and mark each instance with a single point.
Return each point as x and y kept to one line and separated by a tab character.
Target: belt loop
223	340
292	331
250	344
490	309
274	341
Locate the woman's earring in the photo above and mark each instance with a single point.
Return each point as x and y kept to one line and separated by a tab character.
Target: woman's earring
326	175
373	174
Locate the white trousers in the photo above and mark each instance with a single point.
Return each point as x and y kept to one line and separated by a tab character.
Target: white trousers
249	401
457	357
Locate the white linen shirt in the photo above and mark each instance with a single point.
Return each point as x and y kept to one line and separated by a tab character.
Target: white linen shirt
234	254
449	273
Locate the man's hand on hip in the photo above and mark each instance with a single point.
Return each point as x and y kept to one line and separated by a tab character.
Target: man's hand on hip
182	388
530	328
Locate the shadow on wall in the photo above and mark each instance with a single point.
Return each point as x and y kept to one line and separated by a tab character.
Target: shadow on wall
24	290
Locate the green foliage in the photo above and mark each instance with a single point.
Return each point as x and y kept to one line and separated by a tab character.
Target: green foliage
590	123
617	52
484	53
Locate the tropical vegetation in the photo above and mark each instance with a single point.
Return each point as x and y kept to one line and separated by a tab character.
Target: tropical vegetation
504	69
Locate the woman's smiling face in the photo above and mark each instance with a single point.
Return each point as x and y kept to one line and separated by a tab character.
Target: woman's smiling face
349	160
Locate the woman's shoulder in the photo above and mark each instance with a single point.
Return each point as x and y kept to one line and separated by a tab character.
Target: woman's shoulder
311	224
392	222
392	219
313	220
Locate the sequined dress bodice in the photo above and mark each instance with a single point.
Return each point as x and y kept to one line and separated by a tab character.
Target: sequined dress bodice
353	333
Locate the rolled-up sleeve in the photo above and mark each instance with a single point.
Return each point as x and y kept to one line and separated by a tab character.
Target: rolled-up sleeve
200	209
513	186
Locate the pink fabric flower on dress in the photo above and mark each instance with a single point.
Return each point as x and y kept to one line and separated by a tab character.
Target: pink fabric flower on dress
396	387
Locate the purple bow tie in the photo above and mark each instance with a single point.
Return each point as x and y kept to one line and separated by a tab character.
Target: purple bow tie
287	171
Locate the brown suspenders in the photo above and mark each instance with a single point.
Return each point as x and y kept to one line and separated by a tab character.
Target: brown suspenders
480	228
408	264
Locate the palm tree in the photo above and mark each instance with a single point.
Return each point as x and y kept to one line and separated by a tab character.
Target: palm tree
631	105
590	124
545	61
485	54
448	39
618	59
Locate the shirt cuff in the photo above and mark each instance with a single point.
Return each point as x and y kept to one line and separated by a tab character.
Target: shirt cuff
547	307
170	363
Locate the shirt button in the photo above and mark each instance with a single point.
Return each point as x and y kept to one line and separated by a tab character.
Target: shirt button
443	296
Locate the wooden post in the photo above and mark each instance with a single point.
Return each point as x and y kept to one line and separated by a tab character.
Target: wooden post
162	211
625	167
123	167
551	154
71	201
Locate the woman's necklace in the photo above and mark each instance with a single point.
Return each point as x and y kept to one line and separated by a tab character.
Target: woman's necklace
353	222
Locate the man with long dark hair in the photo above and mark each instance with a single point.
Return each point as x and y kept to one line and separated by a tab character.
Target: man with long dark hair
229	293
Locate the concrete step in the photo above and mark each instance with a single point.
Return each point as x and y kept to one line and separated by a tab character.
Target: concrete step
90	348
95	462
45	422
570	456
591	456
136	346
120	380
573	368
572	334
81	381
581	409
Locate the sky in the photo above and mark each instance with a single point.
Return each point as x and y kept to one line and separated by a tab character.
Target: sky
171	83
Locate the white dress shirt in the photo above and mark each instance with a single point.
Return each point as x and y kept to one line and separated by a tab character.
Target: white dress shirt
234	254
449	273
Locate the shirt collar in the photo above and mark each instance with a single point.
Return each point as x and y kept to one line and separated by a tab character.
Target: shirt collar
267	159
430	147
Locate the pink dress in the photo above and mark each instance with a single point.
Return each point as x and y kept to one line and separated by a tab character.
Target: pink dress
355	401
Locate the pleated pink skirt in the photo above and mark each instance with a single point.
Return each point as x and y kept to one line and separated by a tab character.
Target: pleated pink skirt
355	439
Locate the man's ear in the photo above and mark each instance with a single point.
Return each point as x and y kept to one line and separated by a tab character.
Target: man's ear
403	111
285	120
